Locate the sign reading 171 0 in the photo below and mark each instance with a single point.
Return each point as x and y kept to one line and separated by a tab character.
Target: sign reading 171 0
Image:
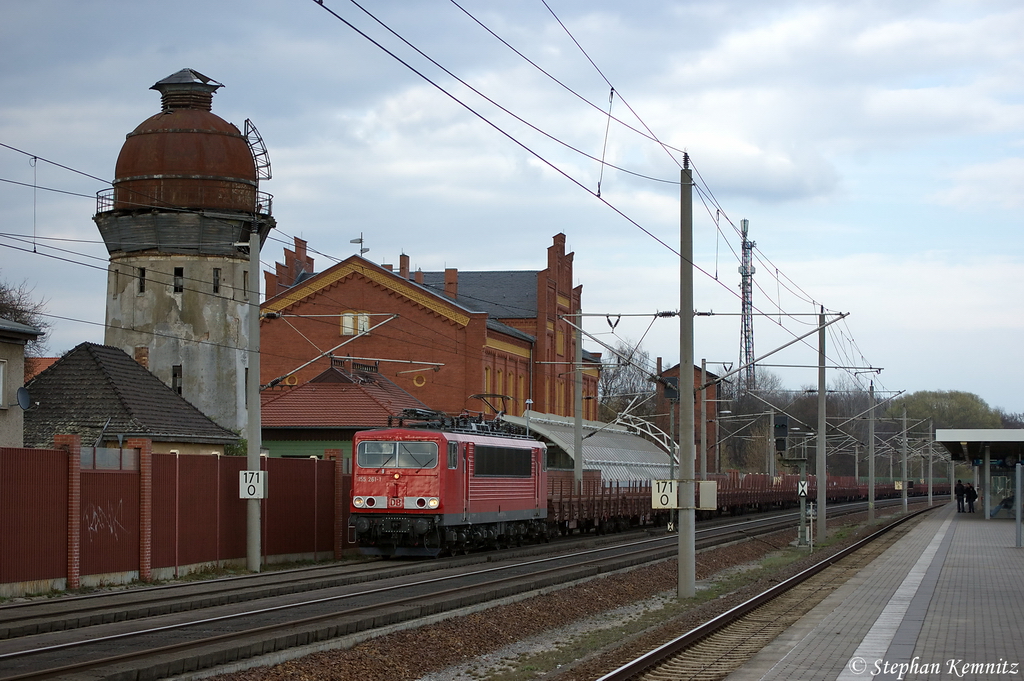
252	484
664	494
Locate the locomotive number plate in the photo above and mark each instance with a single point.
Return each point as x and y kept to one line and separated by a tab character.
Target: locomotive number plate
369	478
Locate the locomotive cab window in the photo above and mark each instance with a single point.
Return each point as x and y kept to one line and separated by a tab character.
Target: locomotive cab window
453	455
379	454
506	462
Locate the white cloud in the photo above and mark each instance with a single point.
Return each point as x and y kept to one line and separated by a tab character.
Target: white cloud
853	135
999	182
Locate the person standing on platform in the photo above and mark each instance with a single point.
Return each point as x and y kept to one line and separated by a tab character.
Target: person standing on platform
959	492
970	495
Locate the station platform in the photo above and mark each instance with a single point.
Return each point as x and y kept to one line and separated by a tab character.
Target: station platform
944	602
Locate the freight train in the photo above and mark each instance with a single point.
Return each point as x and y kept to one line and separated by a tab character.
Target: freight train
433	484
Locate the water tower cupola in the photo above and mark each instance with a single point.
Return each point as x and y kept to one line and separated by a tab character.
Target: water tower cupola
186	161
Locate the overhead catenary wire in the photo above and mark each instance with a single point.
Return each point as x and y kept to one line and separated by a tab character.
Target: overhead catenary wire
475	90
598	69
503	132
701	192
489	122
593	105
604	147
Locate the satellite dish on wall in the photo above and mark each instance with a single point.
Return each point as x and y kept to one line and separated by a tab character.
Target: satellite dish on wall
24	399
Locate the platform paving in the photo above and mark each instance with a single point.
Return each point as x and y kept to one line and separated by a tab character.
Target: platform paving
945	602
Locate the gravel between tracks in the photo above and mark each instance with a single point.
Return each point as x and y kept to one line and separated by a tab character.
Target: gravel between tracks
489	643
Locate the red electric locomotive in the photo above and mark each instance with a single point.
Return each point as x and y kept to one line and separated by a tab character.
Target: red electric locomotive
447	486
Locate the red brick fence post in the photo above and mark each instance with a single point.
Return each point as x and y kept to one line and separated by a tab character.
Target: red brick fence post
145	448
72	444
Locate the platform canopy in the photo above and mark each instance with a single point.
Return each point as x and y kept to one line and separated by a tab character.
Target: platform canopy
967	444
618	453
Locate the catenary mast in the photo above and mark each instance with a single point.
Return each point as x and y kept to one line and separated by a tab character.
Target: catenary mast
747	316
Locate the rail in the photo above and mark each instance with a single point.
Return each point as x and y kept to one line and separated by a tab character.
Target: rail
658	655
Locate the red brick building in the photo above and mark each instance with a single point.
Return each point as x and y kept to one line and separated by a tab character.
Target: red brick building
668	401
441	336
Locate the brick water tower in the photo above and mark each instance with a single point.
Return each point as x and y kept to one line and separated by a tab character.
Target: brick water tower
176	224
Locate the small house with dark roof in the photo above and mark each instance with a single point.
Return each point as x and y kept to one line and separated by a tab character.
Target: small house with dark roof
325	412
13	337
105	396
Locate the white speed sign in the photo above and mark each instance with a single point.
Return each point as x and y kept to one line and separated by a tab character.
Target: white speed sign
665	494
252	484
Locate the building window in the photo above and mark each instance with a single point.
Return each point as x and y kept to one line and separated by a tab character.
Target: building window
216	280
176	378
142	280
245	284
179	279
3	384
354	322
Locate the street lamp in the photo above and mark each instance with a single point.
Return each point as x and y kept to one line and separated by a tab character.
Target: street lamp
529	405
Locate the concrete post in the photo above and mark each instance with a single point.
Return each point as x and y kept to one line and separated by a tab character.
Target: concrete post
687	516
253	431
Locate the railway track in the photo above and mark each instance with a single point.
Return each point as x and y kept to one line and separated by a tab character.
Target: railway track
722	645
162	631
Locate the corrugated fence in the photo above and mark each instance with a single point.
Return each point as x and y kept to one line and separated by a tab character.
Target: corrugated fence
72	516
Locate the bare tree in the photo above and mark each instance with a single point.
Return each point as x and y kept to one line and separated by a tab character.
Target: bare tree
18	305
1010	419
627	384
745	432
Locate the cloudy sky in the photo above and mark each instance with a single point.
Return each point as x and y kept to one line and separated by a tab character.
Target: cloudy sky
876	147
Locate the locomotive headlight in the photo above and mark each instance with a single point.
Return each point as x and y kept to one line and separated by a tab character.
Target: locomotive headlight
433	502
358	502
397	476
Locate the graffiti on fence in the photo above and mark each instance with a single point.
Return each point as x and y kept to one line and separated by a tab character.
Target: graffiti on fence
106	520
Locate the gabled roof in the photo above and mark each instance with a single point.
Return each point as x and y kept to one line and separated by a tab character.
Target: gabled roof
356	266
337	399
502	294
98	389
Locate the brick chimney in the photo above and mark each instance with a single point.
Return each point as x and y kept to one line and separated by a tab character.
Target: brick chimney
451	282
403	266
